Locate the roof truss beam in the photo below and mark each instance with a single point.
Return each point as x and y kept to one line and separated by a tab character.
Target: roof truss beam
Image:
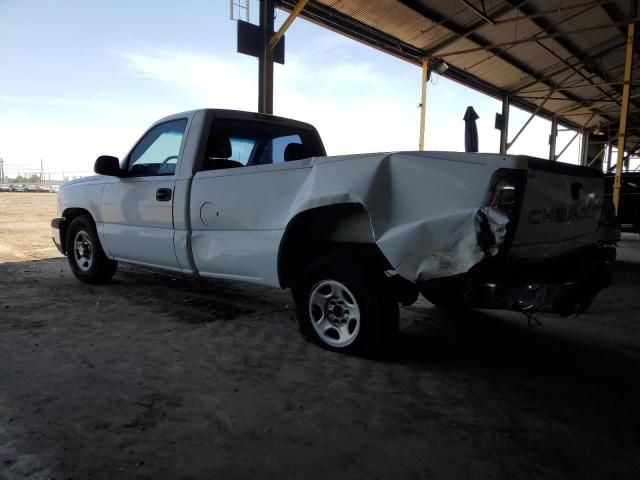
563	40
328	17
468	30
484	44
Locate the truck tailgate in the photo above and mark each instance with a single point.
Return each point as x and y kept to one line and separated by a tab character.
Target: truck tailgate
560	210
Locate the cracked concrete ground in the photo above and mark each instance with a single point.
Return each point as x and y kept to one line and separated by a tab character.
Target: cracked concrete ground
154	376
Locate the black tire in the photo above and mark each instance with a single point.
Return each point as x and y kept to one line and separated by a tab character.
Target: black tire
377	310
89	263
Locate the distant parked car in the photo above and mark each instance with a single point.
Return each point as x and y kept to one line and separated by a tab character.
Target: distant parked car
55	188
5	188
31	188
42	188
629	211
17	188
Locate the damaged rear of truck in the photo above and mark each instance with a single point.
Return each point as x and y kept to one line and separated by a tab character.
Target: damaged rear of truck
542	239
476	231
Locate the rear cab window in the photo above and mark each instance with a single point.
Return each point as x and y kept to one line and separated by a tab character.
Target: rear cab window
239	143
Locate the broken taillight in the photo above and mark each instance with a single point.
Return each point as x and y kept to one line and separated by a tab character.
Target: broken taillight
507	191
495	222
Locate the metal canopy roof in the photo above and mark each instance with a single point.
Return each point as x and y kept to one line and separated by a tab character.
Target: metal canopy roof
562	58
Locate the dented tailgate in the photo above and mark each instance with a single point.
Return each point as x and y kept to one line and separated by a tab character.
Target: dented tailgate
560	210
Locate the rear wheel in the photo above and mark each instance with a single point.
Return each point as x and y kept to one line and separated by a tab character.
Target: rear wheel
87	260
341	305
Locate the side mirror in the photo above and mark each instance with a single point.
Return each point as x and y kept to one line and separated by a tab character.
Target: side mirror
107	165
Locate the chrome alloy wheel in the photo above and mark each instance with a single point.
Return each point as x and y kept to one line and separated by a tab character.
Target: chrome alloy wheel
334	313
83	250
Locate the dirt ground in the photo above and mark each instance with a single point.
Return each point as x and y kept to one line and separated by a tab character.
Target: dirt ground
154	376
25	226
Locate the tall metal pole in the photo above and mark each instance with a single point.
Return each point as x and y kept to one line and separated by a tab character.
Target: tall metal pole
628	63
584	152
423	101
265	69
552	138
1	170
504	131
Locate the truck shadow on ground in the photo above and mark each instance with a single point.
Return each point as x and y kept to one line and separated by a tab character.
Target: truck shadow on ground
628	267
489	346
576	381
152	351
476	343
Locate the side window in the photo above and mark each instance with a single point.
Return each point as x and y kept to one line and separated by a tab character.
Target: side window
279	147
241	149
276	150
157	152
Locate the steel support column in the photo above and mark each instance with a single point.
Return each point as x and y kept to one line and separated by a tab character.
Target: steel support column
504	131
552	138
265	69
584	151
623	114
423	101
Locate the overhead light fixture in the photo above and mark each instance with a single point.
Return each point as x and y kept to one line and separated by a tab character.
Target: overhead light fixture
440	66
598	130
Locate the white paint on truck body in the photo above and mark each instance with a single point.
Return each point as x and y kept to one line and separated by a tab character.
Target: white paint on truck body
229	223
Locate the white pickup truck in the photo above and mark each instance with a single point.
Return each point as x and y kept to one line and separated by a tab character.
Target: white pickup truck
250	197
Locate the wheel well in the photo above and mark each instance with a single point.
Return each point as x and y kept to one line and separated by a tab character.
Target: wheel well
320	230
69	215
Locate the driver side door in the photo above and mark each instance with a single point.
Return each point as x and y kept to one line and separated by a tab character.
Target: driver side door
137	209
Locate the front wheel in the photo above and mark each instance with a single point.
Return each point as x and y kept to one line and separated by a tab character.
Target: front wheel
87	260
341	305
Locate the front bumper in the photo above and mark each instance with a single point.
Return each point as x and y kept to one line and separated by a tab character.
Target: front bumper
57	230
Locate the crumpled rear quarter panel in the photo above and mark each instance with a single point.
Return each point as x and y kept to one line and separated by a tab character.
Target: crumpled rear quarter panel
422	205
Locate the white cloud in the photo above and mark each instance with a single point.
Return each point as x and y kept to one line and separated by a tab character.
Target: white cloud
355	107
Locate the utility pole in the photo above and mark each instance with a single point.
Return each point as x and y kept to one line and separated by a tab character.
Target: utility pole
1	170
41	173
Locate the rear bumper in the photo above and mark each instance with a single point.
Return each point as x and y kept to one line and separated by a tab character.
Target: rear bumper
57	229
564	285
562	298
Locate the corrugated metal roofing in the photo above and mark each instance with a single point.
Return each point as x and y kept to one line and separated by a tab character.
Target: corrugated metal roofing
570	50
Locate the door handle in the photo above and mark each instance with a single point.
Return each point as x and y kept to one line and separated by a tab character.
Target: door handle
163	194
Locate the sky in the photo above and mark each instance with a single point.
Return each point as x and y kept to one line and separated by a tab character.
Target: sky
80	79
